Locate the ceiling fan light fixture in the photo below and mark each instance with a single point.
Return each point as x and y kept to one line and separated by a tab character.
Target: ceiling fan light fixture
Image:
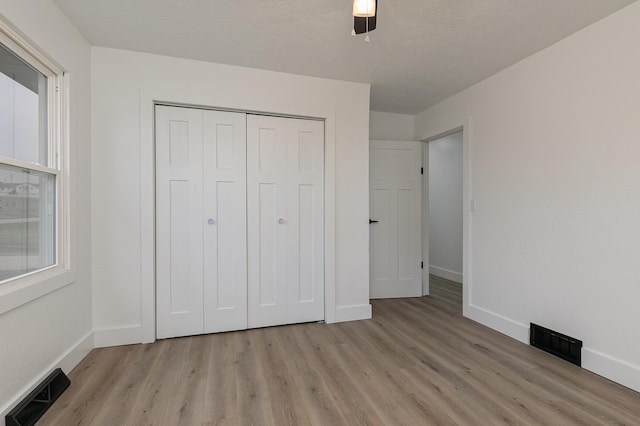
364	8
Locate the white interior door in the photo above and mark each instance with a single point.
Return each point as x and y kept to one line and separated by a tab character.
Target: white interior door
285	178
225	217
201	280
395	203
179	257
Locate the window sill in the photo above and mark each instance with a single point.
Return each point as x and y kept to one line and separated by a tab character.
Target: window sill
25	289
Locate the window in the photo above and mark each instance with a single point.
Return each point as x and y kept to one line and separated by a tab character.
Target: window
32	225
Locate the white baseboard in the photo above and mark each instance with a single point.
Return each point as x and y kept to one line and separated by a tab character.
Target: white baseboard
67	361
611	368
445	273
499	323
76	354
128	335
353	313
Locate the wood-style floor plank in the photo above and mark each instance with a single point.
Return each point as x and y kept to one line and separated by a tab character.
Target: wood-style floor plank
418	361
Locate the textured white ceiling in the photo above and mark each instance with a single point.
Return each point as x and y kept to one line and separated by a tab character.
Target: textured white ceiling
422	52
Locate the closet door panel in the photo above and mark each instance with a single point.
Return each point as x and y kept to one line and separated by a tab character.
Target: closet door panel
224	208
179	260
285	169
240	221
267	222
305	206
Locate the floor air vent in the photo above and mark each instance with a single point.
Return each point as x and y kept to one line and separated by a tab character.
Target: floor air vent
555	343
30	409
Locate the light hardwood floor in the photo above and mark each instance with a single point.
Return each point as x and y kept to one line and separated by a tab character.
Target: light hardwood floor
417	362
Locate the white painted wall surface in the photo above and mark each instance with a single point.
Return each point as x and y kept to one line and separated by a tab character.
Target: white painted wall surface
555	143
445	207
119	181
387	126
54	330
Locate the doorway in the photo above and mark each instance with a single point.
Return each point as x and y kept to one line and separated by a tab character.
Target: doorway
388	154
443	216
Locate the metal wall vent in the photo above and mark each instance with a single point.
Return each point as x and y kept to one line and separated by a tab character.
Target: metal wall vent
558	344
34	405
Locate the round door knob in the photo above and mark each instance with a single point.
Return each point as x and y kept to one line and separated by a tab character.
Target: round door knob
281	221
211	222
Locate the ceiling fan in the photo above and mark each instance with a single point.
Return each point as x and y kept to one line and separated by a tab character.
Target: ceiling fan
365	14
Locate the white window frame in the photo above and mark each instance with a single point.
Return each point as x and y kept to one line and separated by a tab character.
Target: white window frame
22	289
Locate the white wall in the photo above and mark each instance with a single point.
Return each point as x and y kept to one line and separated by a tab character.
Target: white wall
554	148
54	330
120	179
445	207
387	126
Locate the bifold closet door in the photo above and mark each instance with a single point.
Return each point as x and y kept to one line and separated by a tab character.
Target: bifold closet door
179	261
225	218
201	283
285	196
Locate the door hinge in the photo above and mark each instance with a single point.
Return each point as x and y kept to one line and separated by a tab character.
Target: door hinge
421	265
421	170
